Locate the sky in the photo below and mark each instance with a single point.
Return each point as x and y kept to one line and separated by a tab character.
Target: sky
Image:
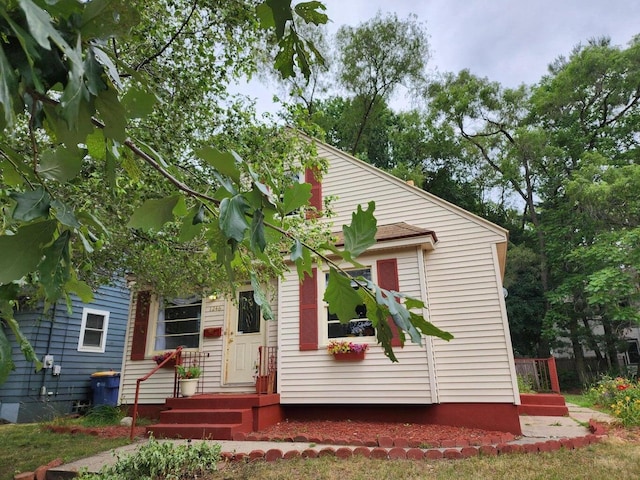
508	41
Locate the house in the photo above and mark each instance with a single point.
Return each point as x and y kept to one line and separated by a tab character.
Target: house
427	248
72	346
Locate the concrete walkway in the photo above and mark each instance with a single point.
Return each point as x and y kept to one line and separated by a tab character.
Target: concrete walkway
535	430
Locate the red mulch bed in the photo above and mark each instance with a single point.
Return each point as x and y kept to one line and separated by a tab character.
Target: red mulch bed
104	432
364	433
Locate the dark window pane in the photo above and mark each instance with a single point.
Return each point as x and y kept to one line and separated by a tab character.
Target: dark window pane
182	326
248	313
186	311
359	328
92	338
187	341
94	321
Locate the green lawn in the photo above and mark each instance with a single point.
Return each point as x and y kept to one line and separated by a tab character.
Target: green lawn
25	447
612	459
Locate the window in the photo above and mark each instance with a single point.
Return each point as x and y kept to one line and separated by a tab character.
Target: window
93	331
178	323
248	313
359	326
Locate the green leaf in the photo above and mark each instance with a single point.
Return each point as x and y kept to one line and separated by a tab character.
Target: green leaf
296	196
31	205
94	71
96	145
265	16
302	258
74	98
8	85
104	18
189	228
232	219
138	103
61	164
80	288
223	162
64	214
61	130
281	12
428	328
25	346
361	233
153	214
284	58
113	115
310	14
22	252
379	314
261	299
341	296
257	240
112	70
6	362
42	28
55	268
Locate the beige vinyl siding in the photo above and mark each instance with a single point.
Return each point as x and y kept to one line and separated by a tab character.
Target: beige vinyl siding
313	377
160	385
464	290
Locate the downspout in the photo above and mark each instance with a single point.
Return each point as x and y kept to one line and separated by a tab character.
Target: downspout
431	358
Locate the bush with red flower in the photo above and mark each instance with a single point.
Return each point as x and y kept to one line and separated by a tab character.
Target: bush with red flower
620	396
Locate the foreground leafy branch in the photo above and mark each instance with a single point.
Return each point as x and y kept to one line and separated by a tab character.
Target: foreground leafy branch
59	79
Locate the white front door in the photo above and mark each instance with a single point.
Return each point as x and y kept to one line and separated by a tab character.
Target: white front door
245	334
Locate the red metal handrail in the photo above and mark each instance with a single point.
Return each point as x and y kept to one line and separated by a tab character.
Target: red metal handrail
174	355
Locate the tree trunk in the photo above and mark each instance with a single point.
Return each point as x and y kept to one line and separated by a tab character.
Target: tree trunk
578	353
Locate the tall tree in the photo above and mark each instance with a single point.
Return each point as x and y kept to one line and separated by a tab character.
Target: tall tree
377	57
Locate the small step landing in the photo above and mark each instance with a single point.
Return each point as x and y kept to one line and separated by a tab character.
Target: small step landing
542	405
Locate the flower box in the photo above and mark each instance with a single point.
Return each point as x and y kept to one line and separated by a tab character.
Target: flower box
176	360
348	356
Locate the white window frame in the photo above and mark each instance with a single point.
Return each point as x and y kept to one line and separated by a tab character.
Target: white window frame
83	329
154	316
324	307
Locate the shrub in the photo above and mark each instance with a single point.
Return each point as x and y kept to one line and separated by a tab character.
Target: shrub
525	384
103	415
620	396
162	460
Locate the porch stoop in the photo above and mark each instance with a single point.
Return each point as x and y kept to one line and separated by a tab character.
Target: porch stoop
542	404
216	416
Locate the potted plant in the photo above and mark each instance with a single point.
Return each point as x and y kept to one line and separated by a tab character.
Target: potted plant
188	377
344	351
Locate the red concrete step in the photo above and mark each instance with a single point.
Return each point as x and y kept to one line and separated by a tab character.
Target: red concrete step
230	401
197	431
543	410
210	416
542	399
542	404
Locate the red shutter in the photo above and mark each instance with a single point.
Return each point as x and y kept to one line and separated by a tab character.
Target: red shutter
388	279
140	326
316	189
309	312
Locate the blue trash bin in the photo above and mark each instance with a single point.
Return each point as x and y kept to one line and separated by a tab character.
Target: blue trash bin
105	387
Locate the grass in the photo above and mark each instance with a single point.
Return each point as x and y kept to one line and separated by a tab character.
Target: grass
614	458
25	447
580	400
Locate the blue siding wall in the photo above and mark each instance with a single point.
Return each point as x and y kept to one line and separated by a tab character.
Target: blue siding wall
30	396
